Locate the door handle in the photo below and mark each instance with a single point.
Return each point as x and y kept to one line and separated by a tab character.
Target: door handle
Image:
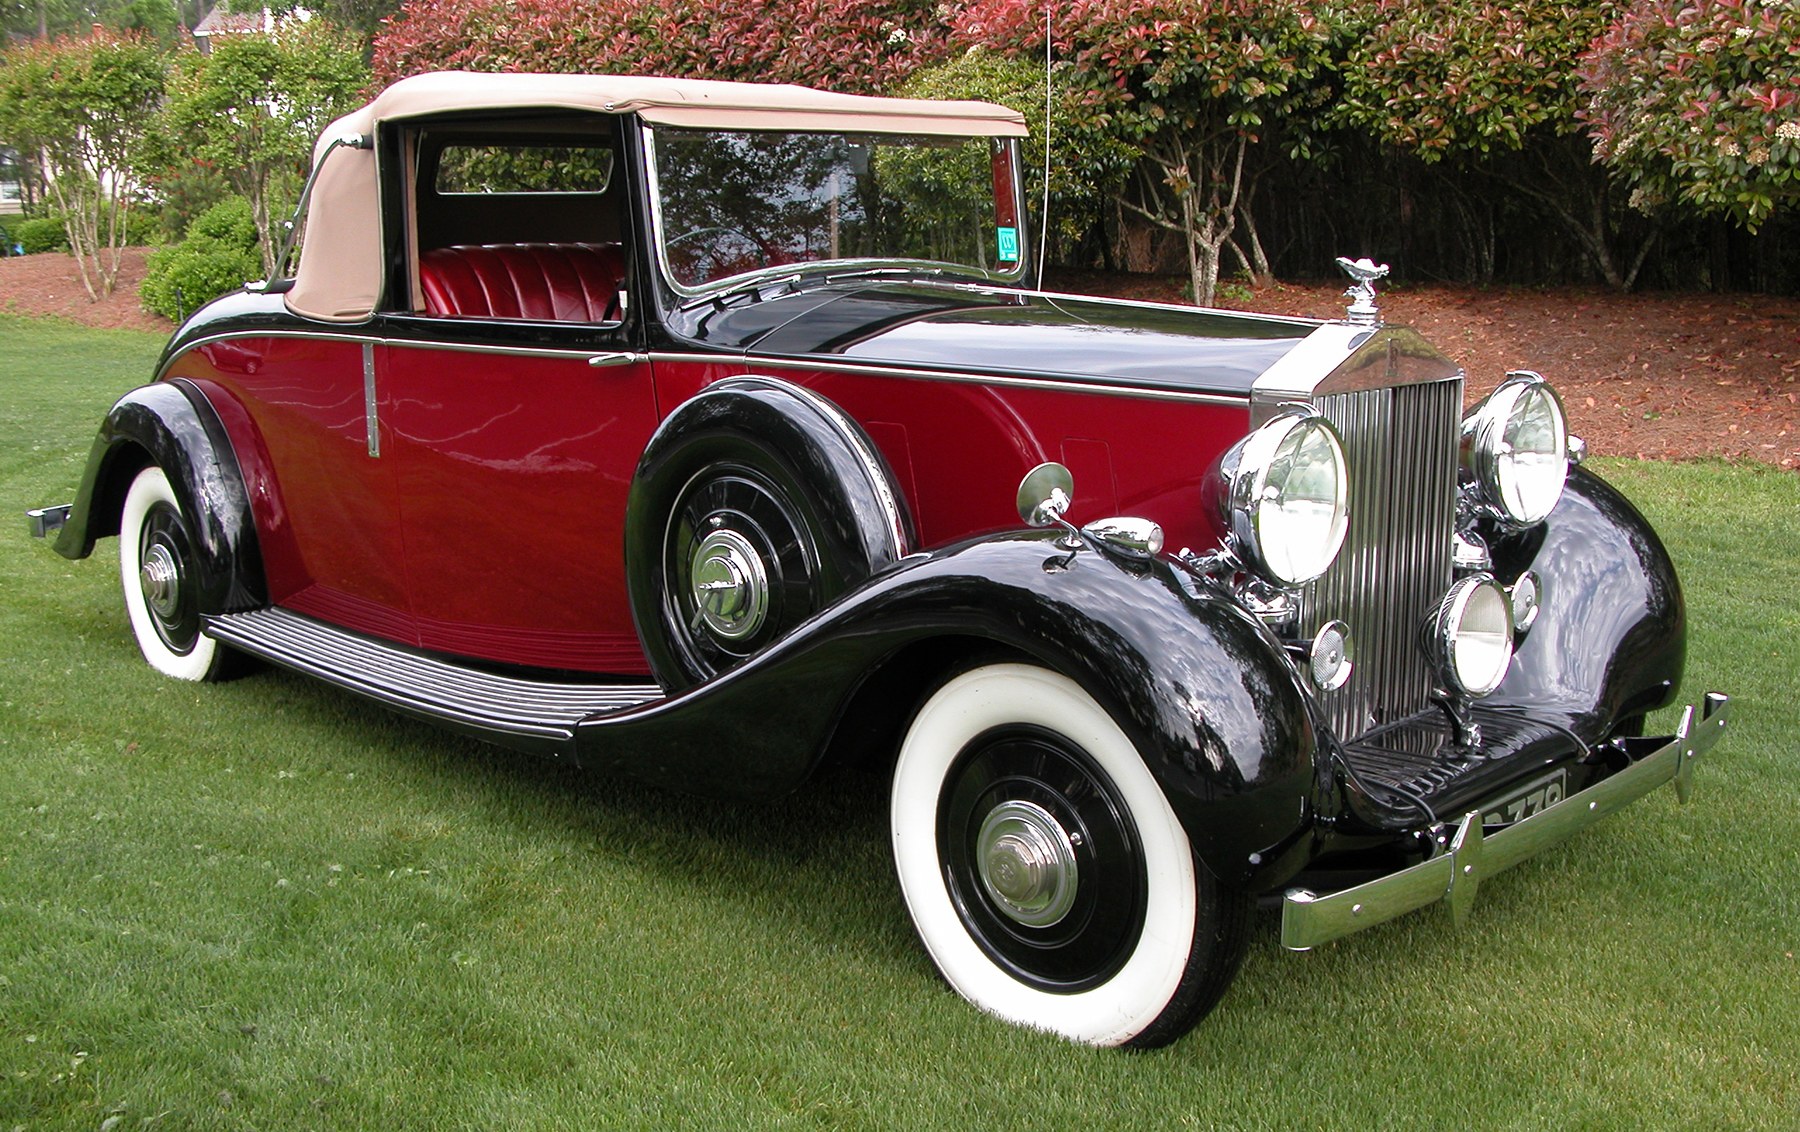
620	359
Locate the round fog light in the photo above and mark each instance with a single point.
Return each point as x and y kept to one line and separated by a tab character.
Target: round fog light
1329	660
1471	636
1527	592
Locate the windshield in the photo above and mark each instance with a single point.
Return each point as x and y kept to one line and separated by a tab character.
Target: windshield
730	203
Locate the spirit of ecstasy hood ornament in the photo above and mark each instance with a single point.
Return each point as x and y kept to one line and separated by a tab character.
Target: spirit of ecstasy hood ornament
1364	272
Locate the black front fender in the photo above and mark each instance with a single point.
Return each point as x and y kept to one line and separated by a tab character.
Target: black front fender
170	425
1196	683
1610	640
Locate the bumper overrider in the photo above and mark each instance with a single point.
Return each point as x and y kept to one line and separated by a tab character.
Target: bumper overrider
1474	854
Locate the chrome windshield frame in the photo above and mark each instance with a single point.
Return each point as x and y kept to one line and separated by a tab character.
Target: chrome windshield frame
862	264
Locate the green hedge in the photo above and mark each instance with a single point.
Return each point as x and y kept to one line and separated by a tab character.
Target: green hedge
218	256
41	234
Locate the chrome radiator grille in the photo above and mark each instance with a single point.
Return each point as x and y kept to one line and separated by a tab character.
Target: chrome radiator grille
1401	446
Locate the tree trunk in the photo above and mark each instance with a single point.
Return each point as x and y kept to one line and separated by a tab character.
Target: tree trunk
1257	266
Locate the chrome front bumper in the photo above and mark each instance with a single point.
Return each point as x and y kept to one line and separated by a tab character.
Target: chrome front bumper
1308	919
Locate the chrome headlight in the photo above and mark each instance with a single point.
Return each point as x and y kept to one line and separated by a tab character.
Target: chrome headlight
1515	445
1470	637
1285	498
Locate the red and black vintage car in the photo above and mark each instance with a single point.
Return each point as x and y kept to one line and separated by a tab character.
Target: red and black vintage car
707	433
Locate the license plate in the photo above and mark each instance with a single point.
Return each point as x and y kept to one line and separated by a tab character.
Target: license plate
1533	799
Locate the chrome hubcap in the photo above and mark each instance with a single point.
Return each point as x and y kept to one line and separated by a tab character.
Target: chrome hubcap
1026	861
730	586
160	578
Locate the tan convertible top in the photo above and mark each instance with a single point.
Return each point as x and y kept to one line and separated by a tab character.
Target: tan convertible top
339	278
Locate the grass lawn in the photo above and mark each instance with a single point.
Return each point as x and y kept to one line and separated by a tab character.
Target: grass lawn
268	905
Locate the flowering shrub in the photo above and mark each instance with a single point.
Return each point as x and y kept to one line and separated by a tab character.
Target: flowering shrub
1699	101
253	107
83	108
1193	84
1468	76
860	48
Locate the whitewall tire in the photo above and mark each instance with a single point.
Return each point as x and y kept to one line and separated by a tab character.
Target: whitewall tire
1044	870
156	573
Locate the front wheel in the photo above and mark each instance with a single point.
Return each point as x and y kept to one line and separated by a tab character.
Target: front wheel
157	573
1045	872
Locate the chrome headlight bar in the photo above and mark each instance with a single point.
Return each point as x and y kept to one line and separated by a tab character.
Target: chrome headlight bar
1515	450
1285	497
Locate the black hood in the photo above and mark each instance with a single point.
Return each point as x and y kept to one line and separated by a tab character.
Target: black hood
973	329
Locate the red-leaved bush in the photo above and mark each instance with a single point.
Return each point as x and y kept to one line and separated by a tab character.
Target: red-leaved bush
859	48
1700	101
1198	87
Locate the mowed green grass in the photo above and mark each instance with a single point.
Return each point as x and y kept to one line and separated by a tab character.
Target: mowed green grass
268	905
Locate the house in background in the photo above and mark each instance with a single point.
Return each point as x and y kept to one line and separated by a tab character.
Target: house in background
221	22
12	188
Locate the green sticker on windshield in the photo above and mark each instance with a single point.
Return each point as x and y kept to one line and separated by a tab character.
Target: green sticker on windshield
1009	244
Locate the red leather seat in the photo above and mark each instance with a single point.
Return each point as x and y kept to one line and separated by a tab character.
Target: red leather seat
551	282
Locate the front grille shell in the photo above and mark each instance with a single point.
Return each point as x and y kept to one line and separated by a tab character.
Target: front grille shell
1397	404
1400	446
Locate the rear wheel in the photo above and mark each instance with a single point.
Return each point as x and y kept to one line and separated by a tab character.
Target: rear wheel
156	572
755	506
1044	870
741	565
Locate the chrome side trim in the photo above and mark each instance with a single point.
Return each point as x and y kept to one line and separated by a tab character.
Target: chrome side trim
398	344
815	365
1308	919
371	416
512	351
1185	308
732	359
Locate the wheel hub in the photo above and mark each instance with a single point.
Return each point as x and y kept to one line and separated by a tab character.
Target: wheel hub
1026	861
730	585
160	578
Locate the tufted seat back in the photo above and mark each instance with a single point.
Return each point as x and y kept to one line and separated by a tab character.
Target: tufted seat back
550	282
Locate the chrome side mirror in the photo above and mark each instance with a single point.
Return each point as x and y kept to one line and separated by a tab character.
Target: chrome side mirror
1045	494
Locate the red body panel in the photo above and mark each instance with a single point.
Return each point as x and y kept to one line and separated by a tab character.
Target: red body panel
330	527
512	474
959	449
490	525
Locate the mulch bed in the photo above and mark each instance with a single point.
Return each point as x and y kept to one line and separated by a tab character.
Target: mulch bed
1663	376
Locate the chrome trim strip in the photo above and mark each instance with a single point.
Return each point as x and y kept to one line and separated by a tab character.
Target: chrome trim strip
371	418
990	379
511	351
1308	920
736	360
1185	308
397	343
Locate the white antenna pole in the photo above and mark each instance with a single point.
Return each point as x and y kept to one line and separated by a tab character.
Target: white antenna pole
1044	233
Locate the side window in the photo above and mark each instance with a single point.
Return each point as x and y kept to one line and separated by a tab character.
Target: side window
473	168
524	221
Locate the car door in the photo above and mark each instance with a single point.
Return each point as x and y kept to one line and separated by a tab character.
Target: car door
519	405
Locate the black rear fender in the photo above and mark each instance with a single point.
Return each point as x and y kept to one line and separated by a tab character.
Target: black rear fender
171	425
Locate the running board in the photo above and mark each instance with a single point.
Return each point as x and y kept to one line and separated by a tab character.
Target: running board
538	716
